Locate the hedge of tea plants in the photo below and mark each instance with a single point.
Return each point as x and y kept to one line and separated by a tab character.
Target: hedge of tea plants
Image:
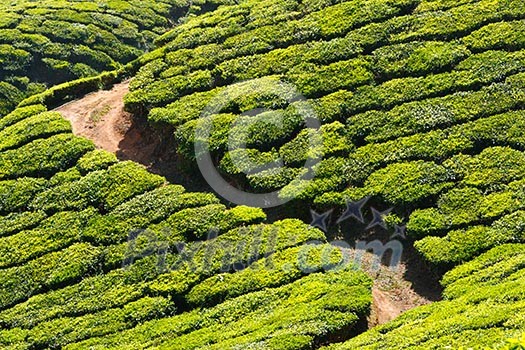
421	109
95	252
49	42
482	307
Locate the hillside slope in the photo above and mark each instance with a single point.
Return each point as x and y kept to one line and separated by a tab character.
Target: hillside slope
421	106
484	305
102	253
421	110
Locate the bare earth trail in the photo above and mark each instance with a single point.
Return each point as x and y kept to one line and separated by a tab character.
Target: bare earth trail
392	300
392	293
100	117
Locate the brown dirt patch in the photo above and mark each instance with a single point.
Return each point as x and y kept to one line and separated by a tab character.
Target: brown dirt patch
100	117
392	293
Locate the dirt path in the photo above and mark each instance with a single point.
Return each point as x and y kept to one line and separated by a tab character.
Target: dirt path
100	117
392	294
388	304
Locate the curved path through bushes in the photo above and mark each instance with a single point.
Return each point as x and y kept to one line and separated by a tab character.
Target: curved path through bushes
100	117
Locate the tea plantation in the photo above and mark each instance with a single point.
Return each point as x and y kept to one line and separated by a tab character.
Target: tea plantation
421	105
76	272
421	109
48	42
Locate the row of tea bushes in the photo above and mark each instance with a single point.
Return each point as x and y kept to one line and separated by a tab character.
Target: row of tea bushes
283	317
483	307
465	206
459	246
154	75
93	247
49	43
509	95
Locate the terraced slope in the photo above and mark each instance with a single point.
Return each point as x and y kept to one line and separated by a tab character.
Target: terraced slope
383	71
421	105
423	109
424	98
100	253
49	42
